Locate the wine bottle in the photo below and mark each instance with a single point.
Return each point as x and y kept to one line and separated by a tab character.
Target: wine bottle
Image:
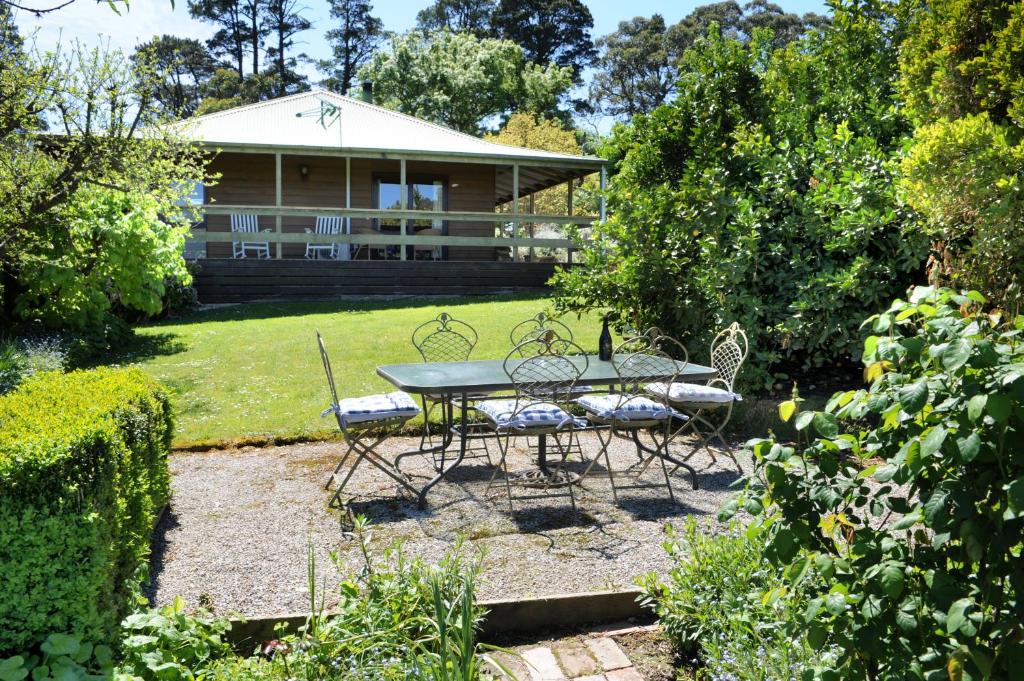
604	344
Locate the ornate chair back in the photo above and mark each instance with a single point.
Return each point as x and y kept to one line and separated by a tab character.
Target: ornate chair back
649	356
545	369
535	327
444	339
728	351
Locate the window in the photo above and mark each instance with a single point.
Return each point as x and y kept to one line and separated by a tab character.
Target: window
428	193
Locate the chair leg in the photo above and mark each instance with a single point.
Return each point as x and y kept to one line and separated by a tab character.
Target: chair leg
607	462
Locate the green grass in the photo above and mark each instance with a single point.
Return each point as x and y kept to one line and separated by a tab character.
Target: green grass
253	373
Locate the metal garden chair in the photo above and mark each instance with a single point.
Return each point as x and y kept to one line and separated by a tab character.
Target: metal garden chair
248	223
630	412
710	406
543	378
326	224
445	339
365	423
535	327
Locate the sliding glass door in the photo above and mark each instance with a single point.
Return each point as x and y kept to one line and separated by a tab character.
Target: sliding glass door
426	193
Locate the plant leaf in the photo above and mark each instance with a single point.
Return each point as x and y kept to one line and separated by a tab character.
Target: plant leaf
914	396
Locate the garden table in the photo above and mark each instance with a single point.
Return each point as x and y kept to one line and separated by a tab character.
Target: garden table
474	377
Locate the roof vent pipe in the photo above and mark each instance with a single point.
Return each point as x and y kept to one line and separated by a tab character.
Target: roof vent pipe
367	93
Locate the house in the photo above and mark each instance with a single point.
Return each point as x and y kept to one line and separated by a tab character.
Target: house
320	194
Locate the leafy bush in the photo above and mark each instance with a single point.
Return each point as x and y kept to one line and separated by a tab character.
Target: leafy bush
167	642
763	194
905	532
962	76
121	247
61	657
722	599
397	619
83	471
22	359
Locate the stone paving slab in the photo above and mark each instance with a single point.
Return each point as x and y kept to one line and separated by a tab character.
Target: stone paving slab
598	658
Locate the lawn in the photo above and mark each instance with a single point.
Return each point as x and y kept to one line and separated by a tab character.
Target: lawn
252	372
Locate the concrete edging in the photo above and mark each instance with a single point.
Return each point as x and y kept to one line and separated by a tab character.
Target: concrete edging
560	611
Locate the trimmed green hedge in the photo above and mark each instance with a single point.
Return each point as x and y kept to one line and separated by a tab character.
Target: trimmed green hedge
83	472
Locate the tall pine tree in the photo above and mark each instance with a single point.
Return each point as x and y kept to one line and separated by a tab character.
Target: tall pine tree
355	35
283	20
548	31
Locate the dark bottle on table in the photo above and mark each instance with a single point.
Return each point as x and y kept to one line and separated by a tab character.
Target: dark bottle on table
604	344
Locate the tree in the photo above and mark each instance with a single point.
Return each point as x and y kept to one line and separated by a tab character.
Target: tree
283	19
962	77
182	65
739	23
525	129
225	90
460	81
93	213
241	30
353	40
472	16
764	193
638	64
636	69
785	26
548	31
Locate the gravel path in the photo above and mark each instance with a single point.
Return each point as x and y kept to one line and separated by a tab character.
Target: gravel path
236	536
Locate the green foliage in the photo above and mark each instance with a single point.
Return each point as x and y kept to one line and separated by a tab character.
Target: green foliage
355	34
61	657
763	194
964	176
168	643
83	471
95	214
549	31
963	80
723	600
22	359
481	77
900	512
120	248
397	619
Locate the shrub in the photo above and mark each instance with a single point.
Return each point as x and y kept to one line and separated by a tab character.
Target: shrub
764	194
397	619
83	472
905	532
962	77
22	359
722	599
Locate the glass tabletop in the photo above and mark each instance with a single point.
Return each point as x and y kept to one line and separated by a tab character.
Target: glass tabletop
489	375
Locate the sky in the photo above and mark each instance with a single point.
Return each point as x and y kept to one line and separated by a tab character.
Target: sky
93	22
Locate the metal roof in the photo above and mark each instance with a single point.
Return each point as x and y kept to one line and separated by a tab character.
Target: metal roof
306	122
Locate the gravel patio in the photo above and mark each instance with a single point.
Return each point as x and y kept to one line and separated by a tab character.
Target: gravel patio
236	536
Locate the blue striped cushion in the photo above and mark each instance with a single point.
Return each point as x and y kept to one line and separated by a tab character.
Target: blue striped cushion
374	408
625	407
511	414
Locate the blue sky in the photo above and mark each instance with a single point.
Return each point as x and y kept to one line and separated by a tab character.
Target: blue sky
93	22
90	22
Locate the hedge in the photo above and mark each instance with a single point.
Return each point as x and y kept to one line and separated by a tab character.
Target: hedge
83	473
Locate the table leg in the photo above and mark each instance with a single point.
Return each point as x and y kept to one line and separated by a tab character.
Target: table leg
422	504
542	455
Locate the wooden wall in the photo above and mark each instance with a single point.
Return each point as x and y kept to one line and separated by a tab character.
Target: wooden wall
225	280
248	179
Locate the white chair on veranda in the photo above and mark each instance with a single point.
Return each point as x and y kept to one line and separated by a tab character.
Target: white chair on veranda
248	223
327	225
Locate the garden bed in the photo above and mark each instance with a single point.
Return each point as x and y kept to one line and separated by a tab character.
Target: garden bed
236	535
